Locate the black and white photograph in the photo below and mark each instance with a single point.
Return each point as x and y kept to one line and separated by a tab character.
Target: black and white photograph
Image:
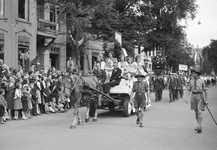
108	74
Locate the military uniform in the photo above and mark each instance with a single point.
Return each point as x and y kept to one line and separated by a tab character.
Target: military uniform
140	88
197	95
197	86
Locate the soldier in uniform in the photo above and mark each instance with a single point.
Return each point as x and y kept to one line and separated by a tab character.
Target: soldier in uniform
197	96
140	87
158	88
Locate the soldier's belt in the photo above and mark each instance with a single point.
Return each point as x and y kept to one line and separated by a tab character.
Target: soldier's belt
196	92
140	93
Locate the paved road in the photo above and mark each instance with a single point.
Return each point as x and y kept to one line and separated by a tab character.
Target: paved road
167	126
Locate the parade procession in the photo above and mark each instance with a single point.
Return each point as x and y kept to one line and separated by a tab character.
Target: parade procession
108	74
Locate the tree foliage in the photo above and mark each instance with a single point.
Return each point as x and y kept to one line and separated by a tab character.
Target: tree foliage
179	54
210	53
153	24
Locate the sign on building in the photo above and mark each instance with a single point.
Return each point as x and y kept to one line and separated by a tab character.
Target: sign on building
183	67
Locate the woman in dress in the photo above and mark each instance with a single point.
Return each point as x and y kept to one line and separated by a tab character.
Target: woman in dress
109	65
101	61
122	64
3	105
131	68
17	100
9	95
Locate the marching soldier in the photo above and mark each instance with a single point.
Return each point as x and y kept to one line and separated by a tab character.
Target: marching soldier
197	96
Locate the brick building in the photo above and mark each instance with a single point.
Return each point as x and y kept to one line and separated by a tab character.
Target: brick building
30	29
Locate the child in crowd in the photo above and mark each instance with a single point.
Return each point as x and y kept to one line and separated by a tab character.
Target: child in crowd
26	99
62	98
17	101
3	105
47	96
60	105
53	105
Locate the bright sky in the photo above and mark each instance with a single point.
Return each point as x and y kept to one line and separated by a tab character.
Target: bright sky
201	34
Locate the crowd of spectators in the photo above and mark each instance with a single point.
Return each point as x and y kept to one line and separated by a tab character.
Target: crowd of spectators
27	93
24	94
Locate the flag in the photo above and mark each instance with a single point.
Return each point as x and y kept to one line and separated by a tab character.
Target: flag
213	73
81	41
198	59
124	52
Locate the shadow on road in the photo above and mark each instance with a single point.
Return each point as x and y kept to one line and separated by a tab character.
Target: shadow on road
110	114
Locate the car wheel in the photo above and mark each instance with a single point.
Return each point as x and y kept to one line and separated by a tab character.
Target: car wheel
127	108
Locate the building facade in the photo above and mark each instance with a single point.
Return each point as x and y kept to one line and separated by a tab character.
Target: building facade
30	32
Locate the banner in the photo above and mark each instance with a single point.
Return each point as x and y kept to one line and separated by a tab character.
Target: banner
183	67
118	37
124	52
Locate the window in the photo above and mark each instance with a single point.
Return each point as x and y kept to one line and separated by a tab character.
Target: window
52	14
23	52
1	46
2	8
2	52
23	9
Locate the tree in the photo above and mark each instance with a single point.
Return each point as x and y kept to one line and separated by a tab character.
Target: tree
180	54
153	24
77	15
206	67
166	15
210	52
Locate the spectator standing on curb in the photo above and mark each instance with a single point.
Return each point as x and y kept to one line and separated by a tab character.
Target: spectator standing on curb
10	90
3	105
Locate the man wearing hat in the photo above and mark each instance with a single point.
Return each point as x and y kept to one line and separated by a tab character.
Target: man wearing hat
140	87
197	96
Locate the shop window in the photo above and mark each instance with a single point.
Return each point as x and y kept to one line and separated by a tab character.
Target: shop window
2	8
23	57
54	57
23	9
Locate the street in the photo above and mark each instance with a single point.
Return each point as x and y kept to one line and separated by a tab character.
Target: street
167	126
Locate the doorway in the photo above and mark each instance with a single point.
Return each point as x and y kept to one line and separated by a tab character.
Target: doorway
54	60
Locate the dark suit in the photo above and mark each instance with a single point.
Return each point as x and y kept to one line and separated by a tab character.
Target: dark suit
179	85
115	79
172	88
100	74
158	88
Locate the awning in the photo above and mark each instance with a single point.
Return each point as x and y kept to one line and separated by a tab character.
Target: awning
22	40
46	35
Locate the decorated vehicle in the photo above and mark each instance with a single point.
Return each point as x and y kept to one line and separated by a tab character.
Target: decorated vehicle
119	98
